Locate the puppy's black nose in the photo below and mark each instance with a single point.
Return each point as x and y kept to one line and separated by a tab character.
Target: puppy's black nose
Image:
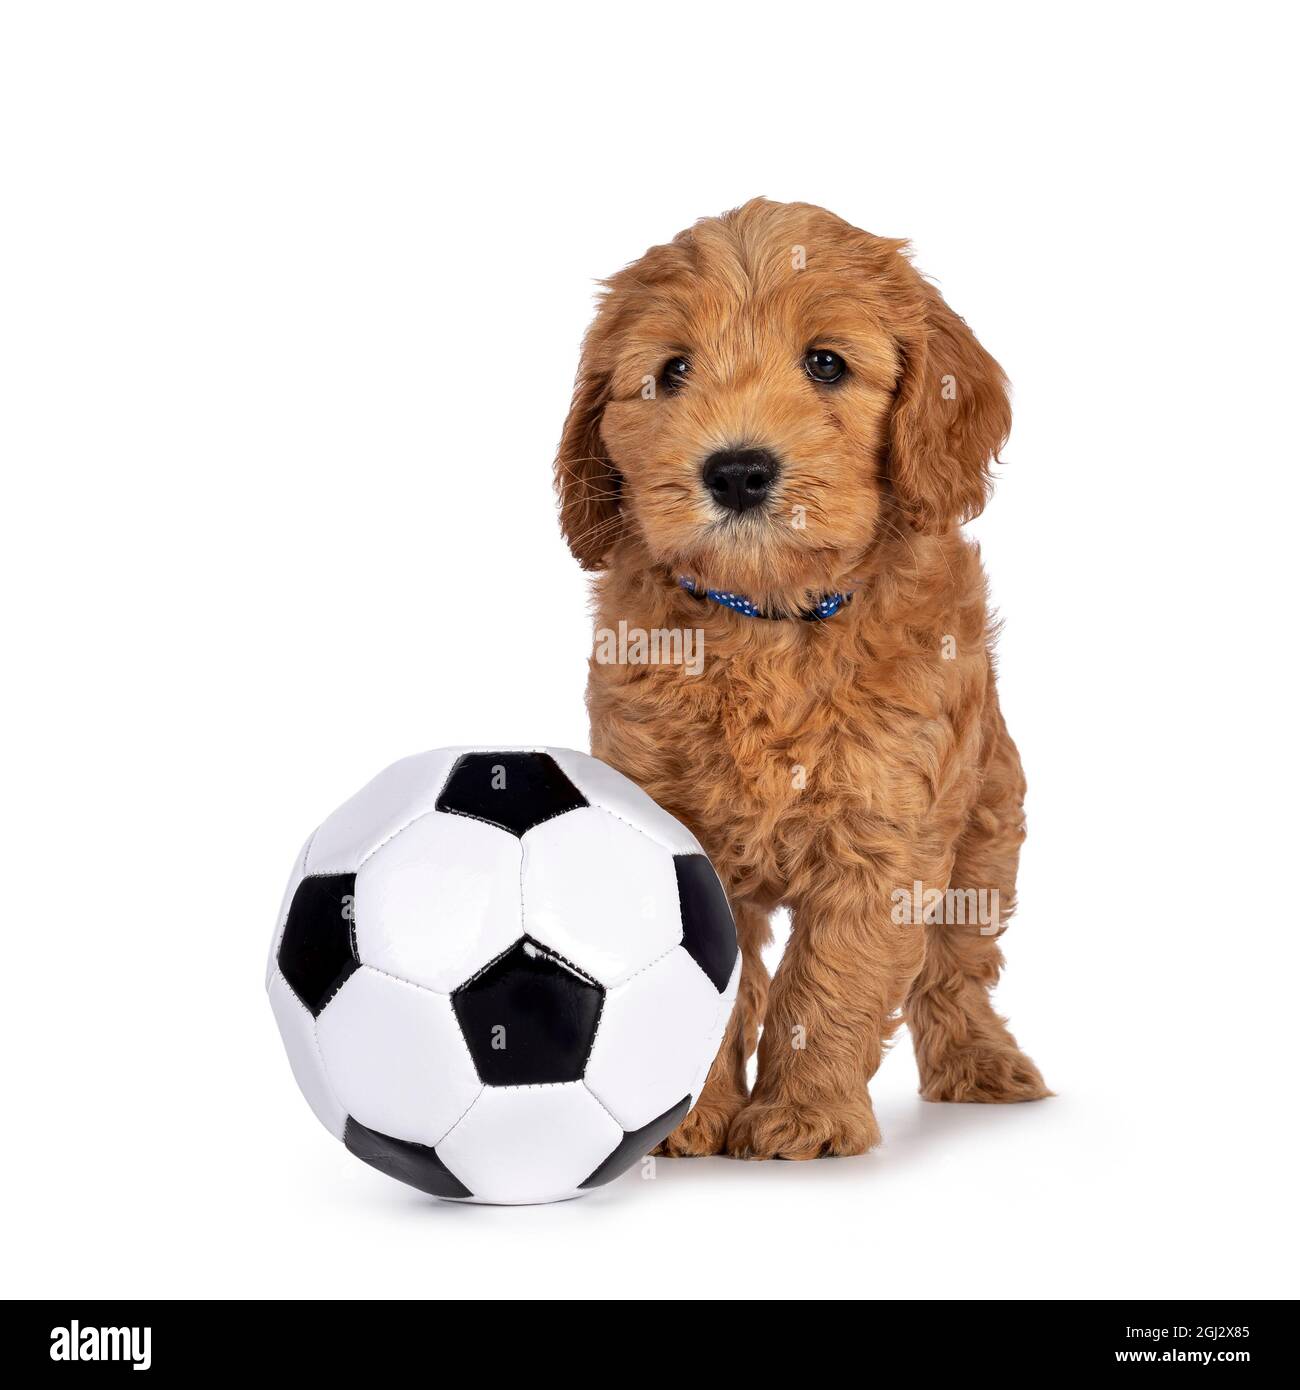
739	479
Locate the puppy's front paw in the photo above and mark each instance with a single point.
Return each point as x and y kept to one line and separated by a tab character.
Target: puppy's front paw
787	1130
702	1132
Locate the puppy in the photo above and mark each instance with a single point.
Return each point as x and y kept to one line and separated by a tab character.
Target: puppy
776	430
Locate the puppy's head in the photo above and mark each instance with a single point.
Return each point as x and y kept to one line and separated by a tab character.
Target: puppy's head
763	398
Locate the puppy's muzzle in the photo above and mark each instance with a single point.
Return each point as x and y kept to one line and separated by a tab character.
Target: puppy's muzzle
739	479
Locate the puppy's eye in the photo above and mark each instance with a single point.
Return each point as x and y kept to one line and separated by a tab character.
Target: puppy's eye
824	365
675	371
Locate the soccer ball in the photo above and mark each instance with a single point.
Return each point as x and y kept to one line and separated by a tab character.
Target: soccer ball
502	976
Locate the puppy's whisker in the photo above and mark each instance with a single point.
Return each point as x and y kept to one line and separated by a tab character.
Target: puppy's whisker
590	533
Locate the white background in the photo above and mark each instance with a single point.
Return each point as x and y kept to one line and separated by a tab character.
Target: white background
290	301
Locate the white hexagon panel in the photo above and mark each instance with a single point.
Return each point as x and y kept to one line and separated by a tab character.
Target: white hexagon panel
601	893
395	1057
501	975
438	899
671	1001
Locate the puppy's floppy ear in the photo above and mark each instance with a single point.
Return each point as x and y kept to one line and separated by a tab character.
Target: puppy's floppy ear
951	417
587	482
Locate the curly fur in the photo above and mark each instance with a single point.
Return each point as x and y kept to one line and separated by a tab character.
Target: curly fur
823	766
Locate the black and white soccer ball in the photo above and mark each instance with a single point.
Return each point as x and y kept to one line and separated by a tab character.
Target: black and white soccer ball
502	975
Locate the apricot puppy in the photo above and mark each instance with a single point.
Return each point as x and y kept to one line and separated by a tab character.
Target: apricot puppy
777	428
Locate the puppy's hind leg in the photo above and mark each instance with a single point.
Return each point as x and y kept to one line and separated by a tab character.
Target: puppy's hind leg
964	1051
704	1130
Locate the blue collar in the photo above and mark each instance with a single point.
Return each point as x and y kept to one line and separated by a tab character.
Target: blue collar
826	607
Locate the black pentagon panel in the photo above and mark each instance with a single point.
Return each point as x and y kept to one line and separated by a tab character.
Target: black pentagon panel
529	1018
708	928
317	952
413	1164
637	1143
514	791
